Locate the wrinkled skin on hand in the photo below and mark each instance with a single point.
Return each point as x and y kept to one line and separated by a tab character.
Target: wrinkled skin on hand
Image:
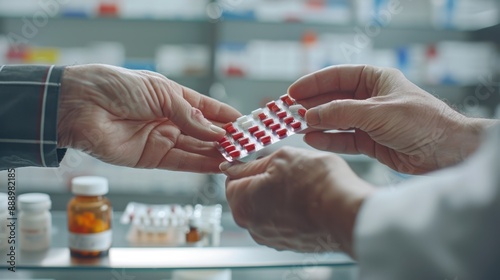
296	200
140	119
394	121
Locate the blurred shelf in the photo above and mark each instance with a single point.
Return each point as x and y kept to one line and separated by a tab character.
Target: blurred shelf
422	26
125	19
289	80
487	34
285	22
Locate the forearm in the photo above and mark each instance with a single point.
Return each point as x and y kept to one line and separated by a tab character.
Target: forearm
28	130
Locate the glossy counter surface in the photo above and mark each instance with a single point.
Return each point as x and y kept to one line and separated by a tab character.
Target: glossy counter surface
237	250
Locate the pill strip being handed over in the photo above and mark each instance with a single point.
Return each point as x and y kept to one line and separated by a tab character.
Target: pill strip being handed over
248	135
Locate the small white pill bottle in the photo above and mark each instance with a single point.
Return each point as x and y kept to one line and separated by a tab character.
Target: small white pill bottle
4	230
35	221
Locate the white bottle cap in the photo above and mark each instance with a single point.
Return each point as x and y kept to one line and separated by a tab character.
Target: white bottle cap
89	185
34	202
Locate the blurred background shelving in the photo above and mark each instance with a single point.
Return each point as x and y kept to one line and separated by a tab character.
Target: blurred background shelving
246	52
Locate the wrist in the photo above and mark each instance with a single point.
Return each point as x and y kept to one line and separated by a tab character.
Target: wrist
462	140
340	211
64	109
352	209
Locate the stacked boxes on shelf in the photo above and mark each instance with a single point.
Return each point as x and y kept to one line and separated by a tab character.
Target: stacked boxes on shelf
447	62
172	60
129	9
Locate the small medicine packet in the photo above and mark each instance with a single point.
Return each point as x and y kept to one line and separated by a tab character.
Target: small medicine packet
247	137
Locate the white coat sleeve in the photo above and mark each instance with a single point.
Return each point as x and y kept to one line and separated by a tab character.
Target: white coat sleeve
442	226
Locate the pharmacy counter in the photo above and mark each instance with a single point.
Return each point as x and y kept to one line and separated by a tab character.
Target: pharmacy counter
237	255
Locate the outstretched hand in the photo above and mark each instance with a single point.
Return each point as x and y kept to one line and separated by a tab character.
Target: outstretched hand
140	119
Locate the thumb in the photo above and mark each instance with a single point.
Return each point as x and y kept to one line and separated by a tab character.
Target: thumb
340	114
191	121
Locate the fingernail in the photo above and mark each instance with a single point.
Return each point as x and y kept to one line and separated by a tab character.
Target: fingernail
224	166
312	117
217	129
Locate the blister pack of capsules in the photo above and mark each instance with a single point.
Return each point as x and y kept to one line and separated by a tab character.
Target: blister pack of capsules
167	224
247	137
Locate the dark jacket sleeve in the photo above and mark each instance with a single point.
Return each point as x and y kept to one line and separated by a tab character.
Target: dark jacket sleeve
29	98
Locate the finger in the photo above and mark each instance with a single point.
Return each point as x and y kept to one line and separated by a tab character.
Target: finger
179	160
240	170
323	99
211	108
190	120
196	146
219	124
358	142
335	79
240	193
341	114
344	143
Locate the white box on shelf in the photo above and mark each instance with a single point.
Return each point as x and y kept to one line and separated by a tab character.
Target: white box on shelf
232	60
170	60
464	63
349	48
112	53
87	7
465	14
279	60
278	11
179	60
197	59
20	8
72	56
329	11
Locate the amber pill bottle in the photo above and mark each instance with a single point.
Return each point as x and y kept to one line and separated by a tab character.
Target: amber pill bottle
89	218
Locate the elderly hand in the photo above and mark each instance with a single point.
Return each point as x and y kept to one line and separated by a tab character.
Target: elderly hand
394	121
140	119
297	199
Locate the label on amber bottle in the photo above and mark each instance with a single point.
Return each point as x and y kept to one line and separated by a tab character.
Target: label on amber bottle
91	241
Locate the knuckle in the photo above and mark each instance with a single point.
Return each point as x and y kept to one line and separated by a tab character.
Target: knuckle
285	152
394	72
239	210
240	216
259	240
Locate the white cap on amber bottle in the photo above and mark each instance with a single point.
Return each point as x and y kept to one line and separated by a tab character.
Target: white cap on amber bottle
89	186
